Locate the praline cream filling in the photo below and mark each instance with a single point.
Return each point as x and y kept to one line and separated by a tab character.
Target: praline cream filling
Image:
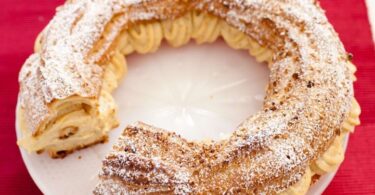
77	122
71	127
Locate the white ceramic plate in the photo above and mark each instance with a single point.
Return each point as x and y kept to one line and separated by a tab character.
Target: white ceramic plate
201	92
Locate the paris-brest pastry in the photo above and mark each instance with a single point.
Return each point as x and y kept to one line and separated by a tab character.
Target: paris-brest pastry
66	103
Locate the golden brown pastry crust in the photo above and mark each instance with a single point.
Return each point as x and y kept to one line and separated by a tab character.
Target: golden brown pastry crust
307	100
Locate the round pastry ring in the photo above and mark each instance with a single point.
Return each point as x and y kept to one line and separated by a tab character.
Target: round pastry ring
307	101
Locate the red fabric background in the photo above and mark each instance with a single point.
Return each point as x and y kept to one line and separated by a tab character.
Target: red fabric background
21	20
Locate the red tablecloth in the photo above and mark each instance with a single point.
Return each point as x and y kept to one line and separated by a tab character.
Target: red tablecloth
21	20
